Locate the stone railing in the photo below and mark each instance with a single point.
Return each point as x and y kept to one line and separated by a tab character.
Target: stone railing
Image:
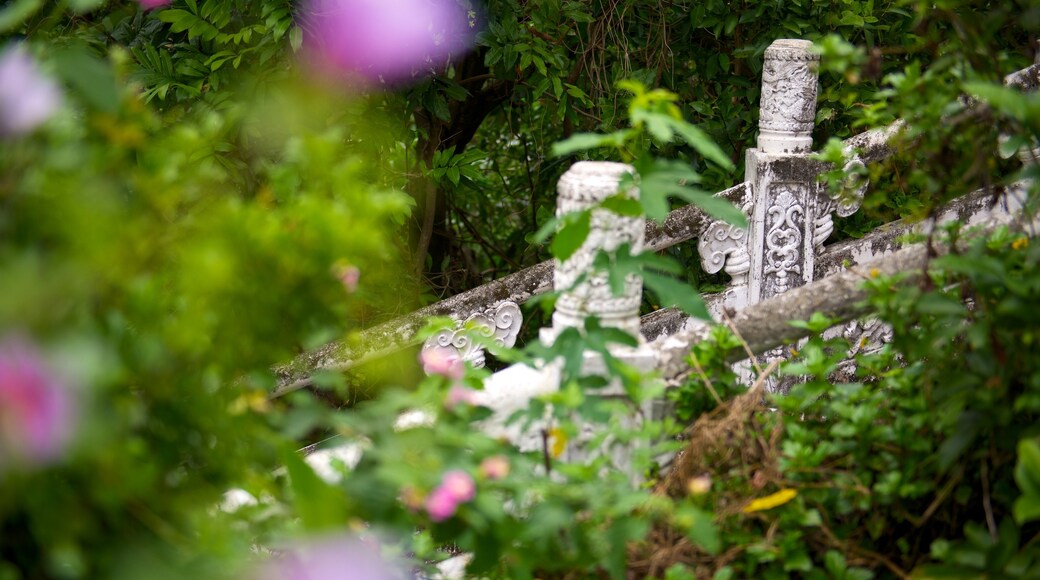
790	216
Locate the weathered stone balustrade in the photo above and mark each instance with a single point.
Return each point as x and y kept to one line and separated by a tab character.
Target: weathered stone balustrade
791	217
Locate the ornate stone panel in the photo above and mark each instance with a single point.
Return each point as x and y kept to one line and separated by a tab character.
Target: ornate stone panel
499	325
783	242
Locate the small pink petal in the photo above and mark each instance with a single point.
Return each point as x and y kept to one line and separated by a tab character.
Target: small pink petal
37	410
349	277
495	467
441	505
442	361
459	395
152	4
459	485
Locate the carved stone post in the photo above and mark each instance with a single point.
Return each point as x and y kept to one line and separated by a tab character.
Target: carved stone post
585	185
785	189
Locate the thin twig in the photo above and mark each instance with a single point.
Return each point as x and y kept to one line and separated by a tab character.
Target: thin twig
704	377
545	451
987	505
747	349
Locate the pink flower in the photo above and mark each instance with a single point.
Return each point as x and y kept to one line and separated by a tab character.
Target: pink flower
27	97
456	488
330	558
36	408
459	485
459	395
386	40
442	361
441	505
349	276
152	4
494	467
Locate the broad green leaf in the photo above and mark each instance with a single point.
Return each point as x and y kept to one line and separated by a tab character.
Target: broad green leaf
716	207
671	292
92	77
700	141
319	505
698	526
624	205
586	141
571	236
13	15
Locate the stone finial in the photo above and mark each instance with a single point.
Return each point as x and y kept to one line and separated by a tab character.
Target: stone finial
585	185
788	104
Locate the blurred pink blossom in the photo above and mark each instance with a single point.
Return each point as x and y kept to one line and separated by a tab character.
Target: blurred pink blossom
459	485
386	40
330	558
459	395
37	410
151	4
27	96
494	467
456	487
442	361
441	505
349	276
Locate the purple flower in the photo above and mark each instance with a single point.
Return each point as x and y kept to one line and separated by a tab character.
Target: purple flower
152	4
27	97
442	361
330	558
386	40
36	407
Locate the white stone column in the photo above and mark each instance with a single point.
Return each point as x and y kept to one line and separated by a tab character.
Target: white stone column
584	186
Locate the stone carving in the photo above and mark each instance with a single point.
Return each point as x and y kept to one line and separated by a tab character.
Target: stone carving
866	336
783	240
848	202
499	325
725	246
584	291
788	103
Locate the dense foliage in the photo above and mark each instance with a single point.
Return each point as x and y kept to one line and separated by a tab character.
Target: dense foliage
187	197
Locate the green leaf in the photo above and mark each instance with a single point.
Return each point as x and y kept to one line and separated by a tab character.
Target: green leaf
90	76
671	292
716	207
319	505
968	425
700	141
296	38
624	205
571	236
12	16
698	526
586	141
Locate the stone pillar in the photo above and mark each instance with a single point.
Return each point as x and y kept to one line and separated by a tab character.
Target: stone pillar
791	217
786	192
585	185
